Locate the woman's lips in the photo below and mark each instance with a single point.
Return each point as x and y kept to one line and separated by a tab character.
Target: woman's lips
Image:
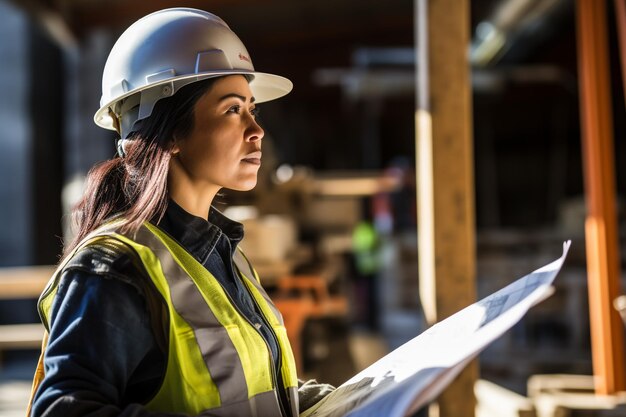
254	161
253	158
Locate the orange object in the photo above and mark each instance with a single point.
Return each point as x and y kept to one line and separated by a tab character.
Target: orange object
603	267
300	298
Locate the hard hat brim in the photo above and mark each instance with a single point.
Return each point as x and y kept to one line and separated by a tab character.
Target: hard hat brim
265	87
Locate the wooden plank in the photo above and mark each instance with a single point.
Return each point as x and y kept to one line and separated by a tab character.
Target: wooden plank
545	383
494	400
349	184
444	161
20	336
603	268
24	282
557	404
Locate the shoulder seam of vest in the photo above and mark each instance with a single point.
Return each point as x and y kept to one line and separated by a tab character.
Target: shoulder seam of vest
106	258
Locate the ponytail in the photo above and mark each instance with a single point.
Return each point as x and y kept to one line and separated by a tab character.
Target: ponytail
135	186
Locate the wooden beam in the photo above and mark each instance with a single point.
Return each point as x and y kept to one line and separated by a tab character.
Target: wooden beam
24	282
444	160
278	27
121	13
620	17
603	265
274	23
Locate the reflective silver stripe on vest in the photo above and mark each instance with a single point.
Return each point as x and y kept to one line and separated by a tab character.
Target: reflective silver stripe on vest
292	392
243	265
218	351
261	405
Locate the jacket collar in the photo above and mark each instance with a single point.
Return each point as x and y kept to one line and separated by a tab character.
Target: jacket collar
197	235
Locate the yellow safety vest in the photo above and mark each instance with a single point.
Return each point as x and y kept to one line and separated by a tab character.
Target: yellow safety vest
217	360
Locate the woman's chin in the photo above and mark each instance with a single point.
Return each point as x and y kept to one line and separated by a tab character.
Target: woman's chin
245	185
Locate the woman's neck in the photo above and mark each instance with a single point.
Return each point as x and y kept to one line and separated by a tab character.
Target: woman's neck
195	198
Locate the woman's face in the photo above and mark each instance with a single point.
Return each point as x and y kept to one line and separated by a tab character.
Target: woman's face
224	148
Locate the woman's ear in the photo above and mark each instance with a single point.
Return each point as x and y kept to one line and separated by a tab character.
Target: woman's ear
175	148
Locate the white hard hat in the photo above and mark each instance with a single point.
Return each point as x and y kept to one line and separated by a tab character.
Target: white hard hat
166	50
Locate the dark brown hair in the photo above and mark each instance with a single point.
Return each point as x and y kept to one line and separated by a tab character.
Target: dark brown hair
135	186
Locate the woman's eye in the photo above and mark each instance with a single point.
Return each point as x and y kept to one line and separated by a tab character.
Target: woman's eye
236	109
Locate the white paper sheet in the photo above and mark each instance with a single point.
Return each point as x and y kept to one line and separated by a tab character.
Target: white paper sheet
415	373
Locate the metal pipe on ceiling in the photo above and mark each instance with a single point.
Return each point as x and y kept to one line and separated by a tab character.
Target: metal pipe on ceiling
510	21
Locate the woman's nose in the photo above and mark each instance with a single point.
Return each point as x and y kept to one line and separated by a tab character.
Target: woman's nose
254	132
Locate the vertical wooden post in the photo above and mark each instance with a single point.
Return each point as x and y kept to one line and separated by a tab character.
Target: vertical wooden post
445	180
603	265
620	17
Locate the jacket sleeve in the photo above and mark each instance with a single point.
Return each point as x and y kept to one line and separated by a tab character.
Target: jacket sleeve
102	358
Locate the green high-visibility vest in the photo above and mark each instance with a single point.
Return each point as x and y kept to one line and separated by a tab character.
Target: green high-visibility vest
217	360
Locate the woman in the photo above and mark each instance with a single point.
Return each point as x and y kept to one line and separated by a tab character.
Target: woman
153	310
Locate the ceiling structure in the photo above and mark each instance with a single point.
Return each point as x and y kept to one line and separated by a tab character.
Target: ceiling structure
299	19
286	34
298	37
525	94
